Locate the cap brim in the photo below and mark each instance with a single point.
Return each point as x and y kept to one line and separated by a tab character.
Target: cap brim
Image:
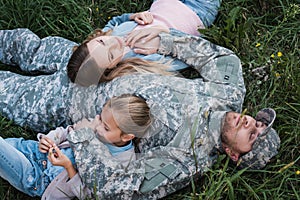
267	116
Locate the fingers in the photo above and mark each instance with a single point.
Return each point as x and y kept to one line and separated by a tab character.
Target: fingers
143	18
141	36
45	144
144	35
56	157
133	37
145	51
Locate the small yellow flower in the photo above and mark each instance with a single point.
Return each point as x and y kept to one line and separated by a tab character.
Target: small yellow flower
258	33
97	9
277	75
298	172
272	56
278	62
279	54
257	44
108	17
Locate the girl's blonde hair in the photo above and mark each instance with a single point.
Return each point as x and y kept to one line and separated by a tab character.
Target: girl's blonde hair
126	66
131	114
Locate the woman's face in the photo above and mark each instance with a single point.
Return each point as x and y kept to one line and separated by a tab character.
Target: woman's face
107	51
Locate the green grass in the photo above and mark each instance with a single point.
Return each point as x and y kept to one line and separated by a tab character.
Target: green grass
256	30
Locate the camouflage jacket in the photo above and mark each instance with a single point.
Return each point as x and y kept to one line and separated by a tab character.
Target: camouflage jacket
185	135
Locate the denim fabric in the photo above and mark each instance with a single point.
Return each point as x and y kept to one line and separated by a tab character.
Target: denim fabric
21	164
25	167
206	10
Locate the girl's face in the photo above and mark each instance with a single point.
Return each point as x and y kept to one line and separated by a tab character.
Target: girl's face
107	51
243	131
108	130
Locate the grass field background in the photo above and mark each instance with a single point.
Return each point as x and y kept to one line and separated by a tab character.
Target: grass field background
265	34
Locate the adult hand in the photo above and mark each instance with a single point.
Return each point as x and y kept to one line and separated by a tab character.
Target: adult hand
85	123
146	40
146	48
45	144
142	18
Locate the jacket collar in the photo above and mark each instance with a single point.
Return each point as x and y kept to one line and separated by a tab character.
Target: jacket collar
214	126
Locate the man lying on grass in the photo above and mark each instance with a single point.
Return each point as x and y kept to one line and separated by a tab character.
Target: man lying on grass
162	170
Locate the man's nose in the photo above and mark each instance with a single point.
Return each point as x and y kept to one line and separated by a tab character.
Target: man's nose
246	123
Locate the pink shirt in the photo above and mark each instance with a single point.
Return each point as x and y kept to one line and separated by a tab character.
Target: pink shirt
175	14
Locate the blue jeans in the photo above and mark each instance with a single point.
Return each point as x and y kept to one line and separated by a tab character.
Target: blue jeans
206	10
22	165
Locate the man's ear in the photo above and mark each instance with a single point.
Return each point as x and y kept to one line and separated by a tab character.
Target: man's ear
231	153
127	137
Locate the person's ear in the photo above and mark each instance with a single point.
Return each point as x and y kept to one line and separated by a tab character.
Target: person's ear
127	137
232	154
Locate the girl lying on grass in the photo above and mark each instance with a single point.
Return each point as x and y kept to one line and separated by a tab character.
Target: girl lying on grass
47	168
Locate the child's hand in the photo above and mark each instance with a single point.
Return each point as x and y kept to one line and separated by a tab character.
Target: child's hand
57	158
142	18
84	123
45	144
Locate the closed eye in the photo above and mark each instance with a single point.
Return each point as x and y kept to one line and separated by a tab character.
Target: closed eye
252	134
101	42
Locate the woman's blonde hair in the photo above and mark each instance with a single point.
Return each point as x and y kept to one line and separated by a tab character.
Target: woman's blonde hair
126	66
131	114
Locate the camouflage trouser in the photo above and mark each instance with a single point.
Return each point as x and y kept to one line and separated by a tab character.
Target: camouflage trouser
29	102
39	101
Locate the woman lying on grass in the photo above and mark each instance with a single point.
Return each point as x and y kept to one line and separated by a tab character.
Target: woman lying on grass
118	45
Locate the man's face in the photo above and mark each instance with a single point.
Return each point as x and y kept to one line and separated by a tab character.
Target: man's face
241	131
107	51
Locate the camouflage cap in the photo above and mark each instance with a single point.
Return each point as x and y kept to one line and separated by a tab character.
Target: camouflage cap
266	145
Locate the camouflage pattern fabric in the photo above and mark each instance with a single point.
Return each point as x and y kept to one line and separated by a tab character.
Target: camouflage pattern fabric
39	102
185	134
